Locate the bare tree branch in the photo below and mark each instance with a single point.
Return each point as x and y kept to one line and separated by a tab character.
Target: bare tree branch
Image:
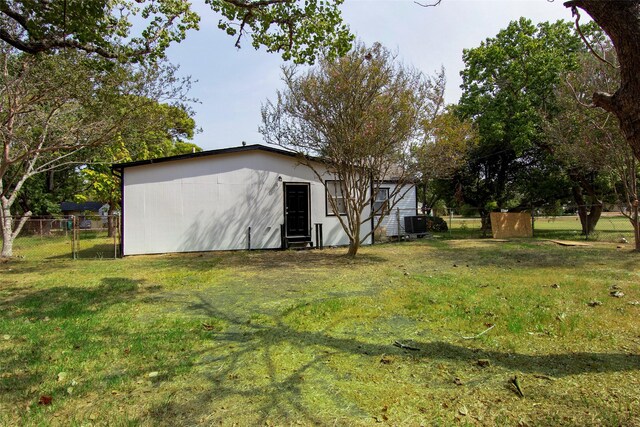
434	4
576	13
359	115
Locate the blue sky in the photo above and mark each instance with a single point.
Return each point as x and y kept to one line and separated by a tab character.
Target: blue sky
232	84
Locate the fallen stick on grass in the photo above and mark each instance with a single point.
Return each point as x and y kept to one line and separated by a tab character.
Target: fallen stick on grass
544	377
404	346
516	385
480	334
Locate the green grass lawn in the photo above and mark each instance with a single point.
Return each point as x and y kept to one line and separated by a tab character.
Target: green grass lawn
281	338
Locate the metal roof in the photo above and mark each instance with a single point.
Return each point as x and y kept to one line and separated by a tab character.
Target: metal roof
252	147
86	206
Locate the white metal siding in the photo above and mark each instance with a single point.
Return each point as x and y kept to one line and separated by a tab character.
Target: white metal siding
406	206
209	203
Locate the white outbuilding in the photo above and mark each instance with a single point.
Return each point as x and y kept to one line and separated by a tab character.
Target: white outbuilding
247	197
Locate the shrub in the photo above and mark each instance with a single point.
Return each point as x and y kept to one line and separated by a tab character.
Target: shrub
435	223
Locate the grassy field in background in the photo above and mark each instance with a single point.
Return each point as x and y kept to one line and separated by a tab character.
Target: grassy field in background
610	228
280	338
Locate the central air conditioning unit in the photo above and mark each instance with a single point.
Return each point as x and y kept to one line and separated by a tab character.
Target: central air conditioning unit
415	224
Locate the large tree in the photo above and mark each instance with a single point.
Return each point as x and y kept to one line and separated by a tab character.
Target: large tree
357	117
587	141
577	136
153	130
620	19
135	30
507	81
447	143
54	108
442	147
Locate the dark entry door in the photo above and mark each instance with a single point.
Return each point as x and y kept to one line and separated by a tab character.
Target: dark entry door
296	209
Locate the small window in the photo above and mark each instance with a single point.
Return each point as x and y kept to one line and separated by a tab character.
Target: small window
381	204
335	191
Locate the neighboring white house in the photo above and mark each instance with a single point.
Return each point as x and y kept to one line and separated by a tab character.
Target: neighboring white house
248	197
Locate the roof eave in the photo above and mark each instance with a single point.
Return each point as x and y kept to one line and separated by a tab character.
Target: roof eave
121	166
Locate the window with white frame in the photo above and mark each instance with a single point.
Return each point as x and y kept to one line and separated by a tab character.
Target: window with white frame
381	204
335	192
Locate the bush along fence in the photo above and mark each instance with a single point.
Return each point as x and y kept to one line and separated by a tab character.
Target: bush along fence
74	236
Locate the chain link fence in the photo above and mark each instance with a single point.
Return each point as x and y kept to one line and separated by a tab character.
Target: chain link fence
611	226
69	237
98	237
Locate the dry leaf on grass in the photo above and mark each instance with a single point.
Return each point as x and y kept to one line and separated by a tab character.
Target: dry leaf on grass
45	400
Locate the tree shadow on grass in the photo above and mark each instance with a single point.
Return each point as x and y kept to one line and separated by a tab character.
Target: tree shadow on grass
282	260
19	376
270	259
16	267
281	391
96	251
523	254
31	315
66	301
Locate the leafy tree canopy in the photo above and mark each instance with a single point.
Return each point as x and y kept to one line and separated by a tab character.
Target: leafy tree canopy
509	84
133	30
67	109
510	78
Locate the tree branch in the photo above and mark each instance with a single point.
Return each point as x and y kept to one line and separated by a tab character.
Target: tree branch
575	95
574	12
20	19
437	2
604	101
34	47
255	4
21	224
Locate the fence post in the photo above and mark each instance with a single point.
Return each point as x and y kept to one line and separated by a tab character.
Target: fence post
319	244
450	220
533	223
398	224
74	238
115	233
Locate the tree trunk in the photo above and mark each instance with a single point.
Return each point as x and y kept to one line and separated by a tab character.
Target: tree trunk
354	245
635	222
9	229
589	213
485	220
589	217
425	202
354	241
621	21
7	234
